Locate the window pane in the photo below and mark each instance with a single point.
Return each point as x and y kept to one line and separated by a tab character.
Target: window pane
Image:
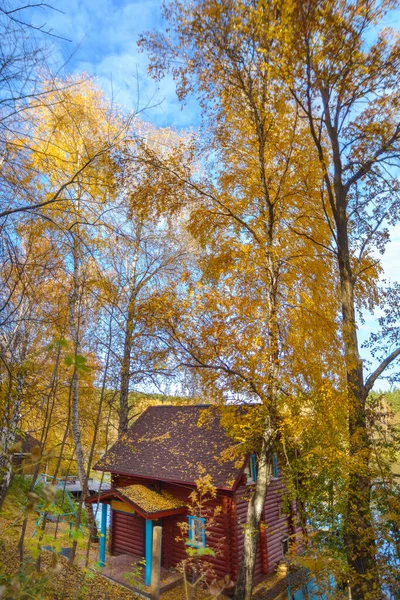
275	468
197	531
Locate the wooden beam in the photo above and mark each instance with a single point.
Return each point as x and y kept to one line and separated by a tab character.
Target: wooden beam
156	564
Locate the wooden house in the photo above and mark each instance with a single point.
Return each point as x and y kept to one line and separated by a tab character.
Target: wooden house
22	458
154	468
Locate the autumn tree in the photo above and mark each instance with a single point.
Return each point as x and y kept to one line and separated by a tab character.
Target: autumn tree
20	310
22	56
78	131
145	261
66	149
254	275
25	98
343	74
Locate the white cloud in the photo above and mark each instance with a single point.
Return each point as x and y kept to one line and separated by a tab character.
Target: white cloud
104	36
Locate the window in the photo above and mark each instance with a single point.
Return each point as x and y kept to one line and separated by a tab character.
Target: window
251	469
275	468
285	546
197	532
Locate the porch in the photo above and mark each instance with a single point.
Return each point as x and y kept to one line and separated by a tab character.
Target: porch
129	571
135	510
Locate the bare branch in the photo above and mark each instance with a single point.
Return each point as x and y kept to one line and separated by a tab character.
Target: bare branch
369	384
56	196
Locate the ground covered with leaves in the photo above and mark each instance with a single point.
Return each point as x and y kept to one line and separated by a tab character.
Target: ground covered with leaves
57	579
54	578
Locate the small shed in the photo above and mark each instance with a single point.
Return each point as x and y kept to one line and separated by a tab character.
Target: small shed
154	469
27	443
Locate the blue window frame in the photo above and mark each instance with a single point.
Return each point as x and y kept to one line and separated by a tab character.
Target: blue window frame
253	467
197	532
251	470
275	467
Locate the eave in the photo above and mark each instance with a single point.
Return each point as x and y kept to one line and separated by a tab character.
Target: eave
108	495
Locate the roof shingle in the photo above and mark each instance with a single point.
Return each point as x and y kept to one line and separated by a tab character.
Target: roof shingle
176	443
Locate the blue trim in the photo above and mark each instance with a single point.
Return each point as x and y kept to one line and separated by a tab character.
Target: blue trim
148	550
192	541
275	467
253	467
103	532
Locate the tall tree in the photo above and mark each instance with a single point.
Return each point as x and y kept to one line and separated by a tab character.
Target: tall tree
74	155
22	56
145	264
344	67
259	186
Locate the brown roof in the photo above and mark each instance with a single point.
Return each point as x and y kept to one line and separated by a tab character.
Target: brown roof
147	502
176	443
28	442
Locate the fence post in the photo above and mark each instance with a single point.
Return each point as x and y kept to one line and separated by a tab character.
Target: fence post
156	563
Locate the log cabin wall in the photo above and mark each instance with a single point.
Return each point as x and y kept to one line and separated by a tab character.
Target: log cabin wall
218	534
275	527
277	523
174	551
219	537
225	536
128	534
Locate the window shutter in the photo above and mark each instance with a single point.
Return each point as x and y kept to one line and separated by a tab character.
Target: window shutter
253	467
275	469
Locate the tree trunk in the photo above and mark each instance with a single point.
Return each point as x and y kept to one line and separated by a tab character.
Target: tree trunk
7	439
358	527
123	413
244	586
76	335
8	434
76	434
358	532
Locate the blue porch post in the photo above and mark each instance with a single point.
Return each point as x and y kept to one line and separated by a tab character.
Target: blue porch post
148	550
103	531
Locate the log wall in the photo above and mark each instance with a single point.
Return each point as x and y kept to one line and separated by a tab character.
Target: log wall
127	534
275	526
224	535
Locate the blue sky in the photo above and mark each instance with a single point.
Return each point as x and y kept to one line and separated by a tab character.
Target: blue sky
103	38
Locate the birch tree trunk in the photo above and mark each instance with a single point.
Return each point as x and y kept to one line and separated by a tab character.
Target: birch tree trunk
244	586
268	211
15	349
75	321
8	434
76	340
123	413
